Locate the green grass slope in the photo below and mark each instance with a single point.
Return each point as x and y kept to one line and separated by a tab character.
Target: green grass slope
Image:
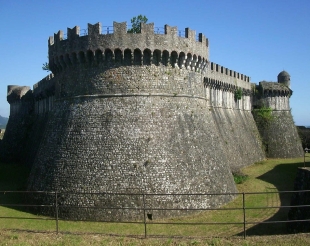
271	175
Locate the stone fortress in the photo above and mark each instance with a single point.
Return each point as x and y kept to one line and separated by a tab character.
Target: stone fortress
143	113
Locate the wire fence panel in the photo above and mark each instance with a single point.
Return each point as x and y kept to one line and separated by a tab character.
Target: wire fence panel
253	213
107	30
110	30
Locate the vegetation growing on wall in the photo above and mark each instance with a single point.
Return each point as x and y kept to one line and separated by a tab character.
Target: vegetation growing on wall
263	115
263	118
45	67
238	94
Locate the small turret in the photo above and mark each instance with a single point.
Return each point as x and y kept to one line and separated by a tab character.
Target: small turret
284	78
15	92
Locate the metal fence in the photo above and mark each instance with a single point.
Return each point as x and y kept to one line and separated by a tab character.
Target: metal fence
277	201
110	30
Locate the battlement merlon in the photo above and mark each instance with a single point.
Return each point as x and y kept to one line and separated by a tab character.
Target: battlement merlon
121	39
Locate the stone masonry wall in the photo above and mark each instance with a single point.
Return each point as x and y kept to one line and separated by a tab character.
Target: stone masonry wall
121	40
143	113
138	113
277	128
17	129
279	135
138	128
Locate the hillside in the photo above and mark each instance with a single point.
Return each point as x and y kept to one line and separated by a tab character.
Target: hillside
3	122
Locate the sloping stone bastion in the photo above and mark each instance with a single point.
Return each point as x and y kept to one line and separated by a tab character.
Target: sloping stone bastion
143	113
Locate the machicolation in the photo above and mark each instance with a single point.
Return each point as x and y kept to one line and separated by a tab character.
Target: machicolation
144	113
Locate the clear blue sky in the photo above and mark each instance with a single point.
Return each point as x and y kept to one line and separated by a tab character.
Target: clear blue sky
258	38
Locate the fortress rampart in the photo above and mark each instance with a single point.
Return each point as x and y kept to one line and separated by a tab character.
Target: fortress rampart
274	120
125	48
143	112
44	94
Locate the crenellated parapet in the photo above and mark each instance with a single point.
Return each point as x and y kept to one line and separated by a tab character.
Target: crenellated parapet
44	94
273	89
223	86
222	94
44	88
272	94
221	73
123	48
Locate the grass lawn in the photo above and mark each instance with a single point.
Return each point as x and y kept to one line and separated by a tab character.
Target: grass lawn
270	175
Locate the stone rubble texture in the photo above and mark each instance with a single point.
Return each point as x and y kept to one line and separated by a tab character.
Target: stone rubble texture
139	113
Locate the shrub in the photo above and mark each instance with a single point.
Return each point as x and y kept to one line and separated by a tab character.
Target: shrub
238	94
239	177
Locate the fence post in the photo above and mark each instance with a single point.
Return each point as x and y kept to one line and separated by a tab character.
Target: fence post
144	217
56	210
243	206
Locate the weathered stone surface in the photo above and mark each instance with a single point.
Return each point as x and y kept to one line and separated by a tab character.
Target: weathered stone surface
136	113
277	128
280	136
164	141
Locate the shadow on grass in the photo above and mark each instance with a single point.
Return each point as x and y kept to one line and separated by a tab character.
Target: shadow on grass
282	177
13	177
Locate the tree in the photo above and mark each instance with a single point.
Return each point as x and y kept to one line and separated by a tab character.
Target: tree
46	67
135	23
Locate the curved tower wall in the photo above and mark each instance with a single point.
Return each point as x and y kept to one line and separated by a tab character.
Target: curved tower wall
141	112
145	135
233	118
278	131
21	106
133	113
28	116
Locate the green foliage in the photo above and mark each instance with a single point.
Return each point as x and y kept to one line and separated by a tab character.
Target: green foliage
263	114
136	23
45	66
304	135
239	177
238	94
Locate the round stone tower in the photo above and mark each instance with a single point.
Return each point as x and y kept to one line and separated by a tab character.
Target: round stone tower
274	119
130	117
21	107
284	78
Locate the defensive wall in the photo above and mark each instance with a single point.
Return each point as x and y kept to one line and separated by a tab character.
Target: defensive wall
277	128
127	112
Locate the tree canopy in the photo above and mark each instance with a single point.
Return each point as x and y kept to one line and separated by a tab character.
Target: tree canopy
135	23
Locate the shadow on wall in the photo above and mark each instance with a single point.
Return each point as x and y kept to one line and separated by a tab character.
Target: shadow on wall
275	177
13	177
